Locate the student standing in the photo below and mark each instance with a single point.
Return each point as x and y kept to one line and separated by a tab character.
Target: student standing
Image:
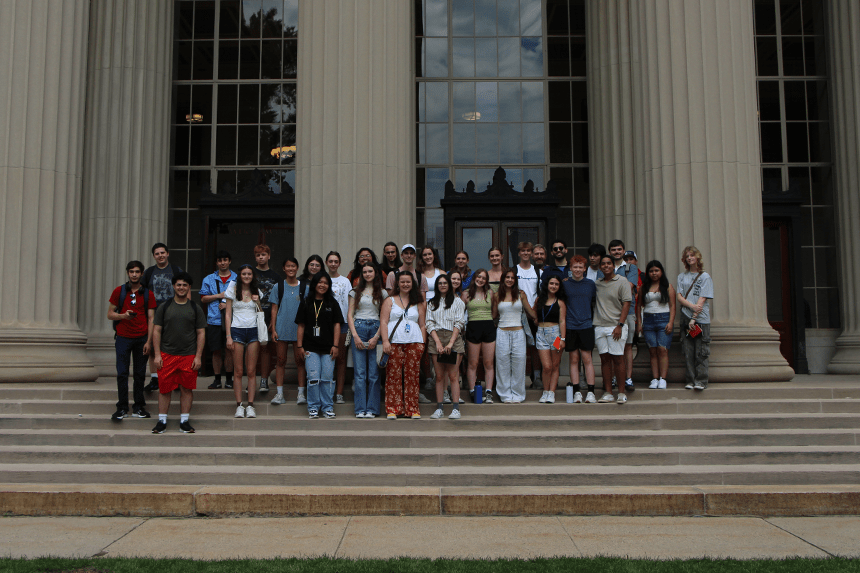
365	304
508	307
698	291
243	302
656	320
445	323
461	265
610	328
480	333
285	298
407	253
212	295
403	335
551	314
390	261
496	269
266	279
313	265
631	273
580	293
132	309
159	279
527	280
340	287
319	320
177	339
364	255
595	251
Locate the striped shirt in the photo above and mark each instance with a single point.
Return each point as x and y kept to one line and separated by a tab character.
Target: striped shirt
446	318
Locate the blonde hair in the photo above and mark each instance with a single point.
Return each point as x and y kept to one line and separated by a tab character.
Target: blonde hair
700	265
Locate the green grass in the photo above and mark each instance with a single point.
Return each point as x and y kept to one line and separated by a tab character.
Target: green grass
406	565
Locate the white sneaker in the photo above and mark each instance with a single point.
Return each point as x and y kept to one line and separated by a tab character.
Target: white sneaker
300	399
550	397
360	415
338	399
462	401
455	414
590	398
437	414
654	384
543	397
607	398
577	398
689	386
278	400
622	399
422	399
446	397
240	412
661	384
250	412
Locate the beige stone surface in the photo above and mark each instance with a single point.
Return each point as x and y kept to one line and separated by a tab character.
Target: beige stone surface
97	500
243	537
456	537
782	500
32	537
684	538
837	535
292	501
571	501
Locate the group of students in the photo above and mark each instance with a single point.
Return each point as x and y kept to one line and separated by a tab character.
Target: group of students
397	317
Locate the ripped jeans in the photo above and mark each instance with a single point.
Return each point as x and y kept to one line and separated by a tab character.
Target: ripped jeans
696	352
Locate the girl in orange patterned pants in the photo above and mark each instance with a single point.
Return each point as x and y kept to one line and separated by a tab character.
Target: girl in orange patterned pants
402	379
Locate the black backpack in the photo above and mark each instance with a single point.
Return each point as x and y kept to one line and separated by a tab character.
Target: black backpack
123	292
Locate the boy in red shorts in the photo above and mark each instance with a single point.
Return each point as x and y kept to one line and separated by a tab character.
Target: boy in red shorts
178	339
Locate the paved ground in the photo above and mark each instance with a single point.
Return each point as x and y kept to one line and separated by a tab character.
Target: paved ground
433	537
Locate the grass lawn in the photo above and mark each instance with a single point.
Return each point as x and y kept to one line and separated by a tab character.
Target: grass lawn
406	565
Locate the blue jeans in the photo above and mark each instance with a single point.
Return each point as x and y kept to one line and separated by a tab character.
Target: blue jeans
320	369
126	349
366	370
654	329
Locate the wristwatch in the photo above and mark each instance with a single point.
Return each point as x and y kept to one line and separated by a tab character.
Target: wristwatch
621	324
561	338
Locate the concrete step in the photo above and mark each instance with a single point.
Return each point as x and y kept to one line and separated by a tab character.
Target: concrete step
627	424
130	437
374	457
552	476
534	409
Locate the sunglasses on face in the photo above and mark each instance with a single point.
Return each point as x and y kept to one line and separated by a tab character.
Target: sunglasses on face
554	249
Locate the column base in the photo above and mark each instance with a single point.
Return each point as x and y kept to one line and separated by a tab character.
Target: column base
45	355
847	357
101	351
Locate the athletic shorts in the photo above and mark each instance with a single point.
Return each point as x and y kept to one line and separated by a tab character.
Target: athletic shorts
608	345
478	331
176	371
581	339
216	338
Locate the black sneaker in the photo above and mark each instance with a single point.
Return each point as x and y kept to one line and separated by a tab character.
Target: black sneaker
142	413
228	385
119	415
215	385
488	397
264	386
152	386
185	427
159	428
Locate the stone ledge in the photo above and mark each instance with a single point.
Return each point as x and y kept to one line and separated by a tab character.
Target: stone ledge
221	501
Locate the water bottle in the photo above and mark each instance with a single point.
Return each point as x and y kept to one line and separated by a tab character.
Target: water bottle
569	390
479	393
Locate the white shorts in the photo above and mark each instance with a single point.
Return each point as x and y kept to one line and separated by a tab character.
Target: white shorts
606	344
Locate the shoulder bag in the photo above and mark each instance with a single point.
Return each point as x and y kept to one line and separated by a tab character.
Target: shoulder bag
262	329
381	357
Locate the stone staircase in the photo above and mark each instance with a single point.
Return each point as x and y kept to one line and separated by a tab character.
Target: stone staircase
799	433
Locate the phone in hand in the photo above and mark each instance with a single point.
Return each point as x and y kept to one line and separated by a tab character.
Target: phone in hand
132	313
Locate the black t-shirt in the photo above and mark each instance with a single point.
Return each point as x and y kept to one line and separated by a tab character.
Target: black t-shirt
329	314
266	281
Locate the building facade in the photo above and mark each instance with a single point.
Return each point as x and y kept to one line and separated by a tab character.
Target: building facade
337	124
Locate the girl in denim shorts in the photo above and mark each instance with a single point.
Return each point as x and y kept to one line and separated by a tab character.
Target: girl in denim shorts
656	303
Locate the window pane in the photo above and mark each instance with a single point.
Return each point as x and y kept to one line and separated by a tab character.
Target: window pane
181	104
291	19
532	101
509	101
228	60
227	102
273	26
509	57
511	146
535	176
464	101
768	101
201	103
270	67
200	152
485	17
819	142
464	18
558	54
581	187
556	17
792	56
290	59
270	103
580	143
814	54
771	180
578	62
533	143
464	143
771	143
249	60
462	177
180	145
487	135
436	57
789	11
797	142
436	17
249	103
183	60
530	21
817	98
437	143
508	18
822	191
421	148
229	26
437	101
251	18
184	29
435	190
767	63
577	17
795	101
828	308
247	145
765	17
560	150
798	183
270	145
486	61
579	97
464	58
813	17
531	53
486	100
288	103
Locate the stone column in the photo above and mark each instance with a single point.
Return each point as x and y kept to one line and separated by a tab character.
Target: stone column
355	141
43	66
844	47
615	146
702	172
126	171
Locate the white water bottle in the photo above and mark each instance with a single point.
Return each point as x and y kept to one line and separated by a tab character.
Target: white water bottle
569	391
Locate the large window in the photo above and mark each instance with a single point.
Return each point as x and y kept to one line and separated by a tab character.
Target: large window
485	99
234	106
795	139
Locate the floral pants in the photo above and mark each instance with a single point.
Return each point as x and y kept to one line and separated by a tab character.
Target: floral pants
401	379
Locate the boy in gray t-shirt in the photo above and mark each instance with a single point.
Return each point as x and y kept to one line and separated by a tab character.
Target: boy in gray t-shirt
695	291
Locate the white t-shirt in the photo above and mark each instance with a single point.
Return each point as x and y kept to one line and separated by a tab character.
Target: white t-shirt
528	281
431	283
244	313
340	288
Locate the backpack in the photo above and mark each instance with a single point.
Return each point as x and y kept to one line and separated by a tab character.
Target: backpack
147	274
123	291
